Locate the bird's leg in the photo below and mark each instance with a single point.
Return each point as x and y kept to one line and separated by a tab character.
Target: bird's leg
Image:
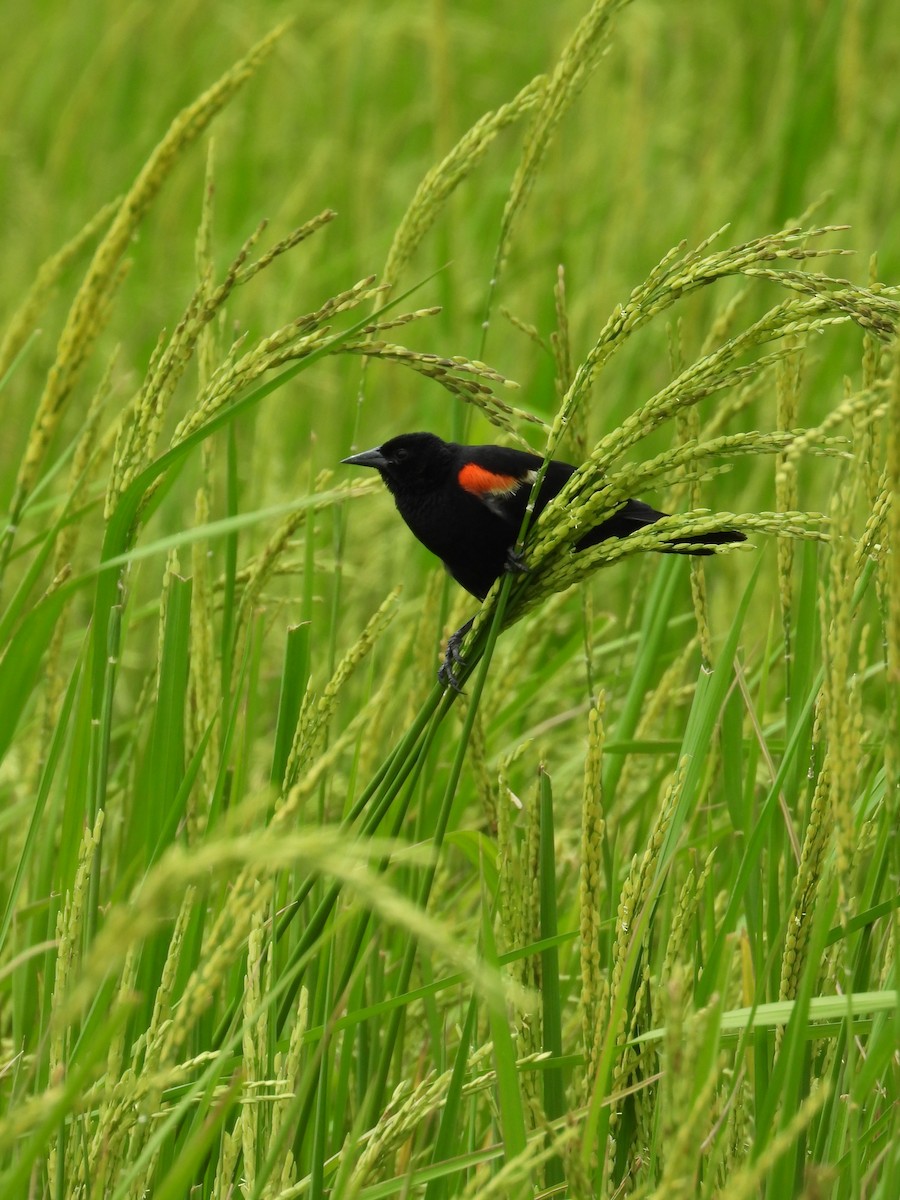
515	564
453	658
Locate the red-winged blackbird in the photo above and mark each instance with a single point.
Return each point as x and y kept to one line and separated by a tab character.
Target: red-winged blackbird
466	504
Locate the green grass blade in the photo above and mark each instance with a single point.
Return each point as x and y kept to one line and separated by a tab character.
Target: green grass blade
510	1109
447	1138
294	678
551	997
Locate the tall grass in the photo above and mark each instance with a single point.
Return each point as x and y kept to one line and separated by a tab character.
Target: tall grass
280	916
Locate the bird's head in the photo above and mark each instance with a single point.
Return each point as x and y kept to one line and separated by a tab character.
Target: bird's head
409	461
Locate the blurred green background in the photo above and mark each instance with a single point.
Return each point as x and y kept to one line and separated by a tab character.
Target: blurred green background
699	115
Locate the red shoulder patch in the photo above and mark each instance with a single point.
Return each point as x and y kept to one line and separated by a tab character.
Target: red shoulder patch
482	482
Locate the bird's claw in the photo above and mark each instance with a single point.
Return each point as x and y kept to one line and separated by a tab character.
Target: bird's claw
515	564
453	658
446	676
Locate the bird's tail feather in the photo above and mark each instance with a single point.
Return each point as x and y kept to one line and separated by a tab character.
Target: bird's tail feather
637	515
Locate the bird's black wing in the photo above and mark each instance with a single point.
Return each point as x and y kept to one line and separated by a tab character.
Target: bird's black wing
502	479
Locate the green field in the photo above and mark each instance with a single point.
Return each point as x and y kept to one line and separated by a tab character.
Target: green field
281	917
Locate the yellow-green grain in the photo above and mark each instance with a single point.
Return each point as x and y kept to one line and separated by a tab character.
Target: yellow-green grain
590	894
815	842
461	377
223	944
85	318
787	392
842	709
21	324
69	934
202	666
255	1048
572	71
746	1182
685	1102
80	474
229	1157
290	343
115	1111
634	895
317	711
287	1068
440	181
665	697
561	345
517	1173
681	934
484	783
889	571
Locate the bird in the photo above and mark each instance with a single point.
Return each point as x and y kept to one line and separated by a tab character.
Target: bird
466	505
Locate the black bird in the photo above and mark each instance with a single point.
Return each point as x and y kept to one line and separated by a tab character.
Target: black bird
466	505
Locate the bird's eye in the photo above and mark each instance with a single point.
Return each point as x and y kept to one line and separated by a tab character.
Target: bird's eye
400	454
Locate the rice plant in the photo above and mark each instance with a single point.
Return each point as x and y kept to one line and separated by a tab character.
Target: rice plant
284	917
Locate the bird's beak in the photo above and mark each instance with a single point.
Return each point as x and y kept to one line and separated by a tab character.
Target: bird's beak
368	458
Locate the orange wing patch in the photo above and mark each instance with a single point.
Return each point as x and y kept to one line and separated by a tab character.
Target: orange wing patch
483	483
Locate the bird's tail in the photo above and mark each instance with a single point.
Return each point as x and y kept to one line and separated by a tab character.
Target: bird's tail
703	541
637	515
